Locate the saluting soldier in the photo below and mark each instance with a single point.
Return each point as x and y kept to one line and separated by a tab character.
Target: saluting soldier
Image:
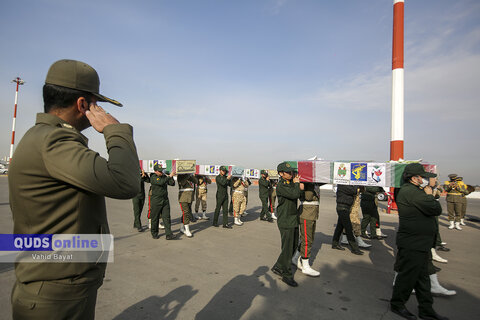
238	198
186	185
57	185
455	192
288	192
222	181
263	191
139	201
160	205
201	195
417	209
308	212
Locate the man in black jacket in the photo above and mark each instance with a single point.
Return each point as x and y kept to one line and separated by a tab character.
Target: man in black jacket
416	234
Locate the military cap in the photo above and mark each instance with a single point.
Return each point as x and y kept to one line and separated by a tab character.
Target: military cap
285	167
452	176
223	168
77	75
459	179
416	169
264	172
157	167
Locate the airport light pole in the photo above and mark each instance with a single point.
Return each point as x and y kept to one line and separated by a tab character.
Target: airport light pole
19	82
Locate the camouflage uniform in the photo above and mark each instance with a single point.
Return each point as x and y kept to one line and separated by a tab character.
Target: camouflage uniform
201	193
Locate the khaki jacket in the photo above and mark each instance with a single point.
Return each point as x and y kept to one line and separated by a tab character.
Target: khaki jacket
186	188
57	186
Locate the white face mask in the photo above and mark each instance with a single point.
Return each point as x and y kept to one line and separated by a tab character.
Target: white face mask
425	182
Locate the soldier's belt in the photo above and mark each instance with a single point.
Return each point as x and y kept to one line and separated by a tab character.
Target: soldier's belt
239	191
310	203
202	187
186	189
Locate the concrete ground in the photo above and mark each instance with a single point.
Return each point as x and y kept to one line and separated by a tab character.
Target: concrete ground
225	274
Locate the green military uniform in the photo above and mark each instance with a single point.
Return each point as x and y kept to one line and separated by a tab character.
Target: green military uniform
201	193
138	202
263	191
463	201
455	193
186	193
159	203
230	205
222	198
368	203
288	193
272	196
57	185
415	238
308	212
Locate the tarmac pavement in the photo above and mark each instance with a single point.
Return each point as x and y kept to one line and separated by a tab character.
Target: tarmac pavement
225	274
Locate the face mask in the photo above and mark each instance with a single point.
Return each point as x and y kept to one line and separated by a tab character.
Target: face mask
424	183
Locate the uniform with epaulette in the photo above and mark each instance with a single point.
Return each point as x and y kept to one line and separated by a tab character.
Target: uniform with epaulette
160	205
186	188
201	195
288	193
139	200
238	198
57	185
308	213
455	192
222	182
263	191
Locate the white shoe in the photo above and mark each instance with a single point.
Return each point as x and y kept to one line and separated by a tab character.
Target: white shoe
379	233
274	217
296	260
457	226
186	230
306	269
361	243
462	222
437	258
344	239
437	289
204	216
198	216
452	225
238	222
161	226
149	223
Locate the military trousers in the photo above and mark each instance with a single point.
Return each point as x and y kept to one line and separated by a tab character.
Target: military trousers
438	239
40	300
307	236
201	199
138	203
454	210
370	217
355	220
289	238
222	203
343	222
230	206
187	216
272	203
412	267
239	203
463	211
160	207
265	213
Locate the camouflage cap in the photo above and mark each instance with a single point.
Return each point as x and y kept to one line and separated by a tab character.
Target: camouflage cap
285	167
264	172
77	75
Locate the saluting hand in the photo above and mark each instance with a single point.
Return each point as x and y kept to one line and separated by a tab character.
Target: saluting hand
296	179
99	118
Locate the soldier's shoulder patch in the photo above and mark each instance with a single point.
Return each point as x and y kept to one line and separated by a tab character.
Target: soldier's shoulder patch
66	125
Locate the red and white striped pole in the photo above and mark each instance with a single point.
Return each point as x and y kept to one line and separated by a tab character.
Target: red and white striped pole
396	134
396	141
18	81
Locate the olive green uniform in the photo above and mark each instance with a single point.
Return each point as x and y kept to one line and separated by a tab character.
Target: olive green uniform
138	202
308	212
186	192
273	195
159	203
455	192
222	199
57	185
415	238
288	193
368	203
463	198
263	191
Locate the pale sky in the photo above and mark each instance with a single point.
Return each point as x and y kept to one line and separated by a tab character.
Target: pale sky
256	82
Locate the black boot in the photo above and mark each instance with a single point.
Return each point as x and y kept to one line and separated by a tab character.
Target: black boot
335	245
354	248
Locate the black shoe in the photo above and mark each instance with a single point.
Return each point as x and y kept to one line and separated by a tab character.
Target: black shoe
215	225
403	312
227	226
269	219
434	316
140	229
263	218
443	248
155	236
365	236
437	269
290	282
337	246
277	271
170	237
